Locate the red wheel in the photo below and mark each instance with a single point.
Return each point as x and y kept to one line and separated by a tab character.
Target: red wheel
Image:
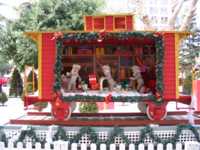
156	112
61	110
61	114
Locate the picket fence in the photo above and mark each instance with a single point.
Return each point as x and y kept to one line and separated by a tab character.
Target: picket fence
61	145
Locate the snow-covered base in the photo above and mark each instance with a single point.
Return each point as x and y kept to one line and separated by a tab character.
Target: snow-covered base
105	93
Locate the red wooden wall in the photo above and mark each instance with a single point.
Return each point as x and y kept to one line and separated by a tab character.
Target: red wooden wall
169	72
109	23
47	65
196	94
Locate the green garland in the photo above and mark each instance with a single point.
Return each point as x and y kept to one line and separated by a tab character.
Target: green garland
28	133
60	135
86	98
58	65
119	132
86	130
116	132
83	37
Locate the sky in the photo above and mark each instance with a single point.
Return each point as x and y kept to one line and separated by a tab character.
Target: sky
112	6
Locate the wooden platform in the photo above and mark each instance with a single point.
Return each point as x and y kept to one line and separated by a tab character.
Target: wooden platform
105	119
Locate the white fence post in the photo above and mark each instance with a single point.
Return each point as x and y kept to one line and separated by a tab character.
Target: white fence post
178	146
131	147
141	147
93	146
122	146
2	146
169	146
112	147
74	146
10	145
192	145
56	145
150	146
63	145
38	146
29	145
103	147
160	146
19	146
47	146
83	146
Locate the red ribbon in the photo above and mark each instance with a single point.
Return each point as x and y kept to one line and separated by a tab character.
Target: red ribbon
108	99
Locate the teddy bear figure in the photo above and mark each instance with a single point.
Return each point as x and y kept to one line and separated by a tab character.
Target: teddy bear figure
107	73
74	75
137	81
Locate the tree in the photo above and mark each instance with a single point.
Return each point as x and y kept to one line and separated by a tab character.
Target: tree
16	85
176	6
43	15
3	98
4	66
30	80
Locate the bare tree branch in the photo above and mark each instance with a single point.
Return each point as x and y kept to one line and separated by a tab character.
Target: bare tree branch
188	17
176	7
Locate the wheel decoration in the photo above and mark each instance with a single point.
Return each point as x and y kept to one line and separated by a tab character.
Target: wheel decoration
61	110
156	112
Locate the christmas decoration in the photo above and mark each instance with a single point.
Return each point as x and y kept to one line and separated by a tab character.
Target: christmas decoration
136	76
29	133
88	107
107	73
93	36
74	75
93	82
60	134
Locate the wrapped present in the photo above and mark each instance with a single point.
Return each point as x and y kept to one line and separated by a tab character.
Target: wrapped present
93	82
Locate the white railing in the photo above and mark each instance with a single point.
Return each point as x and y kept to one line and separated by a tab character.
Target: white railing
60	145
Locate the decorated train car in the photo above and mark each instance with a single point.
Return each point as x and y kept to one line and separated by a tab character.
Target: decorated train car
108	62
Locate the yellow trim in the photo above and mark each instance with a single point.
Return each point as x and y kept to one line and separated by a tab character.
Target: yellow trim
84	21
178	37
177	44
110	14
39	65
181	33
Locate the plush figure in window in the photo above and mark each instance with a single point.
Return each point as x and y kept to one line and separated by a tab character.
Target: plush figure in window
136	80
74	75
107	73
64	82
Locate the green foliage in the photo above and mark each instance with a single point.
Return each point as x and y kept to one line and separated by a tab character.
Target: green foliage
40	105
4	66
43	15
189	50
187	84
16	86
88	107
3	98
30	80
145	132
